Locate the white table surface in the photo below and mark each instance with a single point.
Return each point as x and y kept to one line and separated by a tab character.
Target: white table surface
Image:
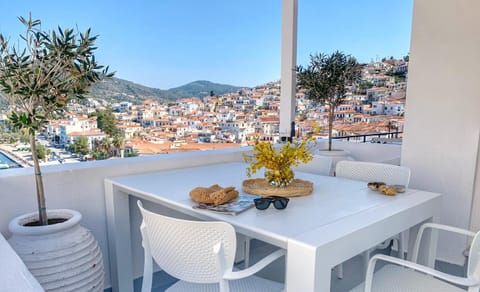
340	219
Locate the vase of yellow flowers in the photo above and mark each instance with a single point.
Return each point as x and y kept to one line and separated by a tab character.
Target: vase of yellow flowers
278	163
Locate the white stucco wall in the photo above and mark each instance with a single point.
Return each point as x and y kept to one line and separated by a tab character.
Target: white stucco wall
374	152
80	186
443	108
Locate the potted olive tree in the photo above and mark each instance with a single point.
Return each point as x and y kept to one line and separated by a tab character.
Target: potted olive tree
39	75
325	80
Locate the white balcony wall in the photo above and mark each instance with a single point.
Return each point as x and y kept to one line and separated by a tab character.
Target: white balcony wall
442	115
374	152
80	186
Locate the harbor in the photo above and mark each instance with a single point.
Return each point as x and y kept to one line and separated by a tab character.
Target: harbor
8	160
14	157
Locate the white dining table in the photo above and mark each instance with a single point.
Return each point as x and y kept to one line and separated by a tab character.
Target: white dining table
338	220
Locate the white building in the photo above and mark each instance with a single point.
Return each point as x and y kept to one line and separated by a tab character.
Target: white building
91	135
77	125
394	108
378	108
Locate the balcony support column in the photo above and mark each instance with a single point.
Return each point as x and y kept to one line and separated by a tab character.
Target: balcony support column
289	62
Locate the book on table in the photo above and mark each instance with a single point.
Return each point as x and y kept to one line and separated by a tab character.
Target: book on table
241	203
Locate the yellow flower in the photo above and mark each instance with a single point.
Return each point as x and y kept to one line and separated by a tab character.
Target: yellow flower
278	162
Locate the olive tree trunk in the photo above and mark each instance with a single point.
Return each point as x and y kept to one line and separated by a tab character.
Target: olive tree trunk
331	111
42	211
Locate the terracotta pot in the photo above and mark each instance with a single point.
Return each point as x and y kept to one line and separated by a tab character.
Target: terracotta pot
62	256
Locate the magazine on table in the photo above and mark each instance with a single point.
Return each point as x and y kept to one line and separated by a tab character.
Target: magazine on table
237	206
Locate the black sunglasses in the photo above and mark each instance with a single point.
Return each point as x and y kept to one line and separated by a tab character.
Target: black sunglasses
279	203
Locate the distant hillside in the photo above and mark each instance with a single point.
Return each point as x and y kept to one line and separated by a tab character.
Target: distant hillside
203	88
122	90
116	89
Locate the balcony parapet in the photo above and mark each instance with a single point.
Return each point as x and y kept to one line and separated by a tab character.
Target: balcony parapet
14	275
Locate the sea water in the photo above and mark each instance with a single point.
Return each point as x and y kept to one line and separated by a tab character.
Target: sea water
6	162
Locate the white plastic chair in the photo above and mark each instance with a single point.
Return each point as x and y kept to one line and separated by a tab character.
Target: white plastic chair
404	275
379	172
318	165
200	254
372	171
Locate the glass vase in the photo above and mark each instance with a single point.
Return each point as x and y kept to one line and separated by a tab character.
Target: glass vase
281	177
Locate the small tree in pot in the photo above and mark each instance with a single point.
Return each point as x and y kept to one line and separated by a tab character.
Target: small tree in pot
325	80
40	76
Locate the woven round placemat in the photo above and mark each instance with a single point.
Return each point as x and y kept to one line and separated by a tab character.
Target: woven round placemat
260	186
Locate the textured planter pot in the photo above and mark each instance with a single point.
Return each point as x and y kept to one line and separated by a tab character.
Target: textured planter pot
336	155
62	256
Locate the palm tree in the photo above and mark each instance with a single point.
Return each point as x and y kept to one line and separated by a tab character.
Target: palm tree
118	141
325	80
392	125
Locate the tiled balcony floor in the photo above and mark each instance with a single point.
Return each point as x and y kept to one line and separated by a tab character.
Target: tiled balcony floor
352	270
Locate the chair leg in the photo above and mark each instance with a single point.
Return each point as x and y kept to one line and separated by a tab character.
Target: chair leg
247	252
340	271
147	260
224	287
147	273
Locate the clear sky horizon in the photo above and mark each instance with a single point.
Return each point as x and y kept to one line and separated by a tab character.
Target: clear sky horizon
168	43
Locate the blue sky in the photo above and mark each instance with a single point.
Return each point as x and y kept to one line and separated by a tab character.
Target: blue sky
168	43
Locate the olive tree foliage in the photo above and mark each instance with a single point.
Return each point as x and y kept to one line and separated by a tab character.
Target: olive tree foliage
39	74
325	81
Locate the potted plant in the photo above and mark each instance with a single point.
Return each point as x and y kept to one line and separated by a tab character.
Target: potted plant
325	80
278	163
39	76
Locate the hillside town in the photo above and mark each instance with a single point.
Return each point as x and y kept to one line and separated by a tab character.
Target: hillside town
376	104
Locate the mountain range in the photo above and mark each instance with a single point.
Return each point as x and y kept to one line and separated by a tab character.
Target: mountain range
116	89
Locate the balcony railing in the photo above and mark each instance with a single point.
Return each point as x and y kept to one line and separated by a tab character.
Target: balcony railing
384	138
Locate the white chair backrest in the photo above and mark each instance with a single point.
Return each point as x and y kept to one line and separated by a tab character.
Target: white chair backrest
474	258
185	249
372	171
318	165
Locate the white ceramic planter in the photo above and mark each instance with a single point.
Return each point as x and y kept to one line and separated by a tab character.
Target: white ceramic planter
63	256
336	155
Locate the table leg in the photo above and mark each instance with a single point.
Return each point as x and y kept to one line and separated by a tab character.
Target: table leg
305	271
119	239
